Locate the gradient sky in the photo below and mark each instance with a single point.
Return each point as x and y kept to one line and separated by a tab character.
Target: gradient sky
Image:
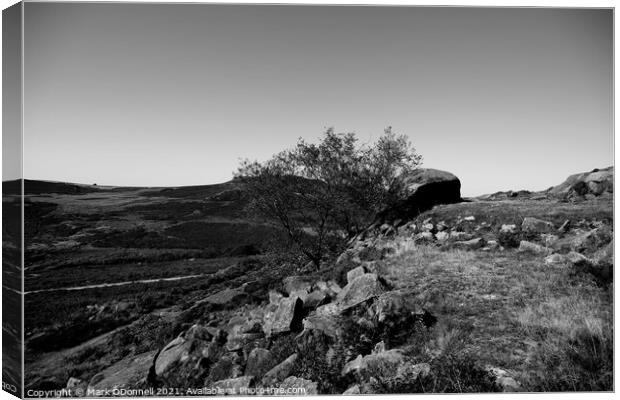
167	95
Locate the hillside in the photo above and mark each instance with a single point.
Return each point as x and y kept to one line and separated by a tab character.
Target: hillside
498	293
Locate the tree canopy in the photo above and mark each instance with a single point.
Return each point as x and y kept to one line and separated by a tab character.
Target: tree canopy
324	193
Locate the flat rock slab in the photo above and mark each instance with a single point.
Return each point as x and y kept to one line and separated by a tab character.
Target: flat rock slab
361	289
125	373
226	296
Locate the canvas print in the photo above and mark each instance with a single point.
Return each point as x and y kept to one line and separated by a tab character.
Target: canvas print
230	199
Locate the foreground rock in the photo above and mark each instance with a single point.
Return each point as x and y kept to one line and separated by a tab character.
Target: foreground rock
361	289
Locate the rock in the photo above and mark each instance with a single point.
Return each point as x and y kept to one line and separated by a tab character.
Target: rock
324	319
504	380
535	225
359	290
74	384
280	371
330	288
353	390
259	362
442	236
472	244
441	226
555	259
294	284
471	218
425	188
172	353
300	386
592	240
595	183
234	386
123	374
529	247
315	299
226	297
508	228
227	367
424	237
283	316
355	272
564	227
576	258
460	236
237	340
379	365
428	227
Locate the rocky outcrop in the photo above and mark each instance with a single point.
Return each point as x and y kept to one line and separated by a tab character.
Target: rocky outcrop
425	188
595	183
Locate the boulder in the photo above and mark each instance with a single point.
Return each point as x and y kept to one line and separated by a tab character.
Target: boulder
359	290
330	288
535	225
529	247
503	379
442	236
123	374
353	390
284	315
596	183
472	244
325	319
425	188
315	299
299	386
508	228
296	284
234	386
460	236
355	272
424	237
175	351
259	362
226	297
280	372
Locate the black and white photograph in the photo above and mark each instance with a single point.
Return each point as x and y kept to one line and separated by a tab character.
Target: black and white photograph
306	199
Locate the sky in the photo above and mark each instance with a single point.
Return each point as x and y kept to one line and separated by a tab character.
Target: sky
177	94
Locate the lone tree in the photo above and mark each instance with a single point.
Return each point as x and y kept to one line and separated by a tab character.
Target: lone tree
324	194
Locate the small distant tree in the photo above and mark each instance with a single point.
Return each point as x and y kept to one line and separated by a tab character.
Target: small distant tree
323	194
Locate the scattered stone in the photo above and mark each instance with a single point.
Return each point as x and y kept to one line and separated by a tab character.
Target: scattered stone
508	228
353	390
303	386
442	236
234	386
280	371
529	247
226	296
564	227
504	380
284	315
424	237
174	351
555	259
460	236
535	225
359	290
259	362
296	284
471	218
428	227
315	299
472	244
354	273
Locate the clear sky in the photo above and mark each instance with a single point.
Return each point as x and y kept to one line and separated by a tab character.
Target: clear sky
168	95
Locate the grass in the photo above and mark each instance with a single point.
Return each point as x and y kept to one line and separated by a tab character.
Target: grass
551	327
